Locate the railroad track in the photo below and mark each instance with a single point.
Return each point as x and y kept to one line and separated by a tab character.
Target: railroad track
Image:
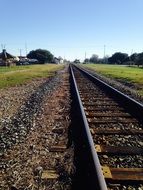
108	135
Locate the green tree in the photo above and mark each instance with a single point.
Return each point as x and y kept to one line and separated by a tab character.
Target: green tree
86	60
118	58
94	58
140	59
43	56
134	57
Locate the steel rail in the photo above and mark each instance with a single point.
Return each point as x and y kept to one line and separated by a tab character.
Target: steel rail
97	180
132	106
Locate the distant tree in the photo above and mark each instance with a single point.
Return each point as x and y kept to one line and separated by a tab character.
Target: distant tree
86	60
41	55
104	59
134	57
140	59
127	59
94	58
118	58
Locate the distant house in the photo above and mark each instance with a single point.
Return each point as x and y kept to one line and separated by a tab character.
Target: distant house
76	61
7	59
61	60
32	61
58	60
22	58
26	61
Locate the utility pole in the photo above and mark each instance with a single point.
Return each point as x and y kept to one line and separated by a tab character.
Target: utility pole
104	53
20	52
26	48
104	50
3	46
85	57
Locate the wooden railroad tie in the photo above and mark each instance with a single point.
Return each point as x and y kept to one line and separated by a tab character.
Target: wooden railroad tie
92	121
49	175
58	130
123	174
101	108
93	114
60	96
101	149
58	148
98	104
116	131
94	99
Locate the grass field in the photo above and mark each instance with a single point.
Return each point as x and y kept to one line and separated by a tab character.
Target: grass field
17	75
132	75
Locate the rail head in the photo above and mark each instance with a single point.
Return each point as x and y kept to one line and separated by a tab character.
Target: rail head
96	163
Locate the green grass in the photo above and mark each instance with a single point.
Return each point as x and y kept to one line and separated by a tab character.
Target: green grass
132	75
13	68
17	75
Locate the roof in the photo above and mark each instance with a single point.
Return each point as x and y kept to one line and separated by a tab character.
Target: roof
5	55
55	58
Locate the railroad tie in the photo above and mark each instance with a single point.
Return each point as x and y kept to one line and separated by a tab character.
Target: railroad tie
118	150
123	174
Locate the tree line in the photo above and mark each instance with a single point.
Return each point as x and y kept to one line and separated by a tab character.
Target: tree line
42	55
118	58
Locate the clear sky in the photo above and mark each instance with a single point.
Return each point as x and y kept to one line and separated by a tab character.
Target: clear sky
69	28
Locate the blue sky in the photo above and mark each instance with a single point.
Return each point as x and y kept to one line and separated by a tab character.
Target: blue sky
69	28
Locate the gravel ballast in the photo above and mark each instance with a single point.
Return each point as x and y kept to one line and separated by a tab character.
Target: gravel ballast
42	122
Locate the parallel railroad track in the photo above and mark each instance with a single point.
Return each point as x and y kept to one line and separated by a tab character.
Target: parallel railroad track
110	134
